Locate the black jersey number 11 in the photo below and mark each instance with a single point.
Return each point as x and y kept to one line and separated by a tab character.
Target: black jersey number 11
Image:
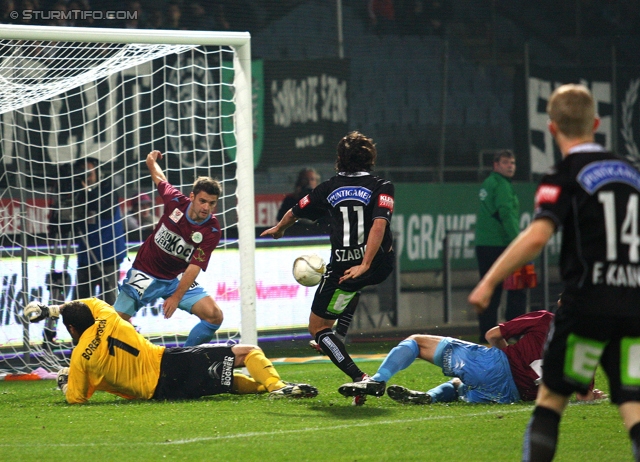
347	212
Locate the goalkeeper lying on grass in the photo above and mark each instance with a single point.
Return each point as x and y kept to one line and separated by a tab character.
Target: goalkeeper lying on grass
111	356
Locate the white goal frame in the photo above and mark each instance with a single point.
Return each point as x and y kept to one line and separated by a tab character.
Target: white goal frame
243	122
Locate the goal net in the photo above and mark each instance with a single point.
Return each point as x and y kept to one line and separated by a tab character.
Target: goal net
80	111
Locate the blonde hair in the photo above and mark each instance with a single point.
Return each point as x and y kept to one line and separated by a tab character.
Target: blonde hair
572	108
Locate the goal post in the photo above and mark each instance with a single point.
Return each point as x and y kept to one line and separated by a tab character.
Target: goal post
110	94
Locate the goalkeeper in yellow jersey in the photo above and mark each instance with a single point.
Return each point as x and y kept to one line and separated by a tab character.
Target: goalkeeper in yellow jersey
109	355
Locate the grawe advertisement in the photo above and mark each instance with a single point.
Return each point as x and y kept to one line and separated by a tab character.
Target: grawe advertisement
425	213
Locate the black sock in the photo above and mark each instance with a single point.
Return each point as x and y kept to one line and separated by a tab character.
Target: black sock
541	436
335	350
634	434
344	321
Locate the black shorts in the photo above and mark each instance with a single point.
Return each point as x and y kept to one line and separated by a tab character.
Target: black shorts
192	372
578	342
332	298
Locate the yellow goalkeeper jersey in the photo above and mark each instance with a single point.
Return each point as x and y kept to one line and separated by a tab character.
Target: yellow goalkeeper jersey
111	356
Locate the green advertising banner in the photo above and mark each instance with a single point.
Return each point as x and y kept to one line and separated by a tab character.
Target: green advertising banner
425	213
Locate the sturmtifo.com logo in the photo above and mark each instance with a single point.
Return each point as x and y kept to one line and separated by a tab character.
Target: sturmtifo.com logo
75	15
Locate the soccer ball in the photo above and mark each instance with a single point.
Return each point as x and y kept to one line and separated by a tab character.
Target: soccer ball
308	270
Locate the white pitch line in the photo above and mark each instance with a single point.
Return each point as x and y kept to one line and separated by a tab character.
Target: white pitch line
334	427
270	433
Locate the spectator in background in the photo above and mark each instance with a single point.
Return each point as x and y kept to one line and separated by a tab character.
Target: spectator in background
437	12
173	18
58	14
498	224
99	232
135	16
307	180
196	17
139	222
77	19
382	16
6	7
22	19
103	6
412	17
155	19
240	15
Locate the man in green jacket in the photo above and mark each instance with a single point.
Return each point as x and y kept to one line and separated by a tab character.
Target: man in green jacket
497	225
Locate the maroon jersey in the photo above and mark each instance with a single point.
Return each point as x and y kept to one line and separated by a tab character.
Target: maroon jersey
177	241
525	356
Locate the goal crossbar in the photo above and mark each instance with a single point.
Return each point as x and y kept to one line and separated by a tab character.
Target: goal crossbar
107	35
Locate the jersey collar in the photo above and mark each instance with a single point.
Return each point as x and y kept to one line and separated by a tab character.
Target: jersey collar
354	174
586	147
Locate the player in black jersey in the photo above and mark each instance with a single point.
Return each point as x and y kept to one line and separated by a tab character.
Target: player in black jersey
594	196
360	206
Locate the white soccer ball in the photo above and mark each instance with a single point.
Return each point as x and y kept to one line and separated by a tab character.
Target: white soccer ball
308	269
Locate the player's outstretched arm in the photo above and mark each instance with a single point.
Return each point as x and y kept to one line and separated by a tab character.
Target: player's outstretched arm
495	339
278	230
156	172
36	311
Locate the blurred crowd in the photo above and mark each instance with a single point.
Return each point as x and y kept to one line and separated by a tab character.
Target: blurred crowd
420	17
223	15
401	17
410	17
586	18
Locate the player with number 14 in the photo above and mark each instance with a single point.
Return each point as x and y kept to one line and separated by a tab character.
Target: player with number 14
592	195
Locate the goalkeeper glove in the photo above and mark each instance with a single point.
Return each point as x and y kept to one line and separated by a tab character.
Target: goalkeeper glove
63	379
36	311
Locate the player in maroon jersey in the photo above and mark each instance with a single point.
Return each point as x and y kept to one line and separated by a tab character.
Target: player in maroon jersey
505	373
169	260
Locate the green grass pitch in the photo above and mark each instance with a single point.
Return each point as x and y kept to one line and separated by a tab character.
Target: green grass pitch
36	424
